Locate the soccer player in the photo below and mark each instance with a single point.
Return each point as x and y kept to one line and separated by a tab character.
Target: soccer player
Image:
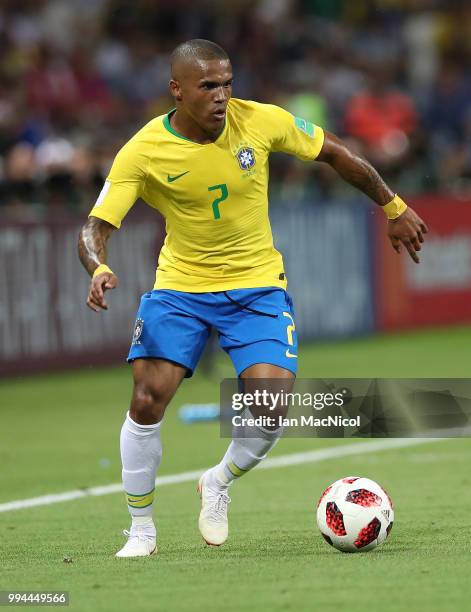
204	166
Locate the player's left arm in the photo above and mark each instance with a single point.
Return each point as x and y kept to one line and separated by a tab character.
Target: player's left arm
404	225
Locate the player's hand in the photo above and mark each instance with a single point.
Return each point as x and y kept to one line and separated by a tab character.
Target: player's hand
96	293
408	230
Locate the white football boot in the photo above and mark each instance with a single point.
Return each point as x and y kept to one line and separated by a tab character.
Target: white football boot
212	523
142	541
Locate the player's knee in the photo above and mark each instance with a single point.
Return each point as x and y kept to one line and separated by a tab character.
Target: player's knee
149	402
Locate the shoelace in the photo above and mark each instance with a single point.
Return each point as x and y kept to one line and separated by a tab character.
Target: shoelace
219	506
144	537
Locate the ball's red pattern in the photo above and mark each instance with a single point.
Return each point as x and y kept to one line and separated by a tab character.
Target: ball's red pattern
334	519
350	480
368	534
364	498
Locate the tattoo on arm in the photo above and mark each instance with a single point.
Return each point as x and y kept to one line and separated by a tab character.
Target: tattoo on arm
361	174
92	243
355	170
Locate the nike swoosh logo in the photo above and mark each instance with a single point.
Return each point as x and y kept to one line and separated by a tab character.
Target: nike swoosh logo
170	179
288	354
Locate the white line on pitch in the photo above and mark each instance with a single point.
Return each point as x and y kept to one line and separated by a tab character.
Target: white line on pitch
275	462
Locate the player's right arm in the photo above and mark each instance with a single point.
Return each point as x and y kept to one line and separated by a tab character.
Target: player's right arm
92	243
122	187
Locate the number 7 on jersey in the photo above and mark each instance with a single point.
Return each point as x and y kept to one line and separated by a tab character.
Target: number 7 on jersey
221	198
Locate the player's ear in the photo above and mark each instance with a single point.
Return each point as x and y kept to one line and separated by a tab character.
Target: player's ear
175	90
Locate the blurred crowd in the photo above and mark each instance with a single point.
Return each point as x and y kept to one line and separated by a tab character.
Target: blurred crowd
78	77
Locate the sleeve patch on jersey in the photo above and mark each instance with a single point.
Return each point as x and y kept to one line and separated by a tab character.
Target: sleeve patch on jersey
103	192
305	126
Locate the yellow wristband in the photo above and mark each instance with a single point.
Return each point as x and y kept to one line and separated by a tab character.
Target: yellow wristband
102	268
394	208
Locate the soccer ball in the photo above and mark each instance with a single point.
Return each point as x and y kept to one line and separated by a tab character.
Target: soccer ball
355	514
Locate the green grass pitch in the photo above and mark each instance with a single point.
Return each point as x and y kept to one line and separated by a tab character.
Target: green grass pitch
60	432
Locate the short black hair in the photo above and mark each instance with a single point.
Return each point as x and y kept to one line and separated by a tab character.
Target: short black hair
197	49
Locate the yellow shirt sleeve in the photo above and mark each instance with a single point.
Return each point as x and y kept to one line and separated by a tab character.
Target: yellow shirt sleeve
123	186
293	135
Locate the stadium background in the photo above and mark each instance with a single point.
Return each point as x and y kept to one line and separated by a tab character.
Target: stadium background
77	77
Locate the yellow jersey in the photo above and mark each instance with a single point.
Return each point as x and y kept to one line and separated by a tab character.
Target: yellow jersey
213	196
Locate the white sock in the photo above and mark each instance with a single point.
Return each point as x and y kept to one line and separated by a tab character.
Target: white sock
245	453
144	524
141	452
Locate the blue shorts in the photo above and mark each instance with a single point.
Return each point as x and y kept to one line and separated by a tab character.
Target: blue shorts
254	326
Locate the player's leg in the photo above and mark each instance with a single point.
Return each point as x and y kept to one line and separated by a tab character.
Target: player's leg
251	444
247	449
155	383
167	344
262	344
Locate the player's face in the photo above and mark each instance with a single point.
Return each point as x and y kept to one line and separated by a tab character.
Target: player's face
203	92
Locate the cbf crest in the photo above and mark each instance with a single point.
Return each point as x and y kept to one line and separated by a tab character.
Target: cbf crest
246	157
138	327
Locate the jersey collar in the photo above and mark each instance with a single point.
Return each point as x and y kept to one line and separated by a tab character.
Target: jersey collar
168	127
